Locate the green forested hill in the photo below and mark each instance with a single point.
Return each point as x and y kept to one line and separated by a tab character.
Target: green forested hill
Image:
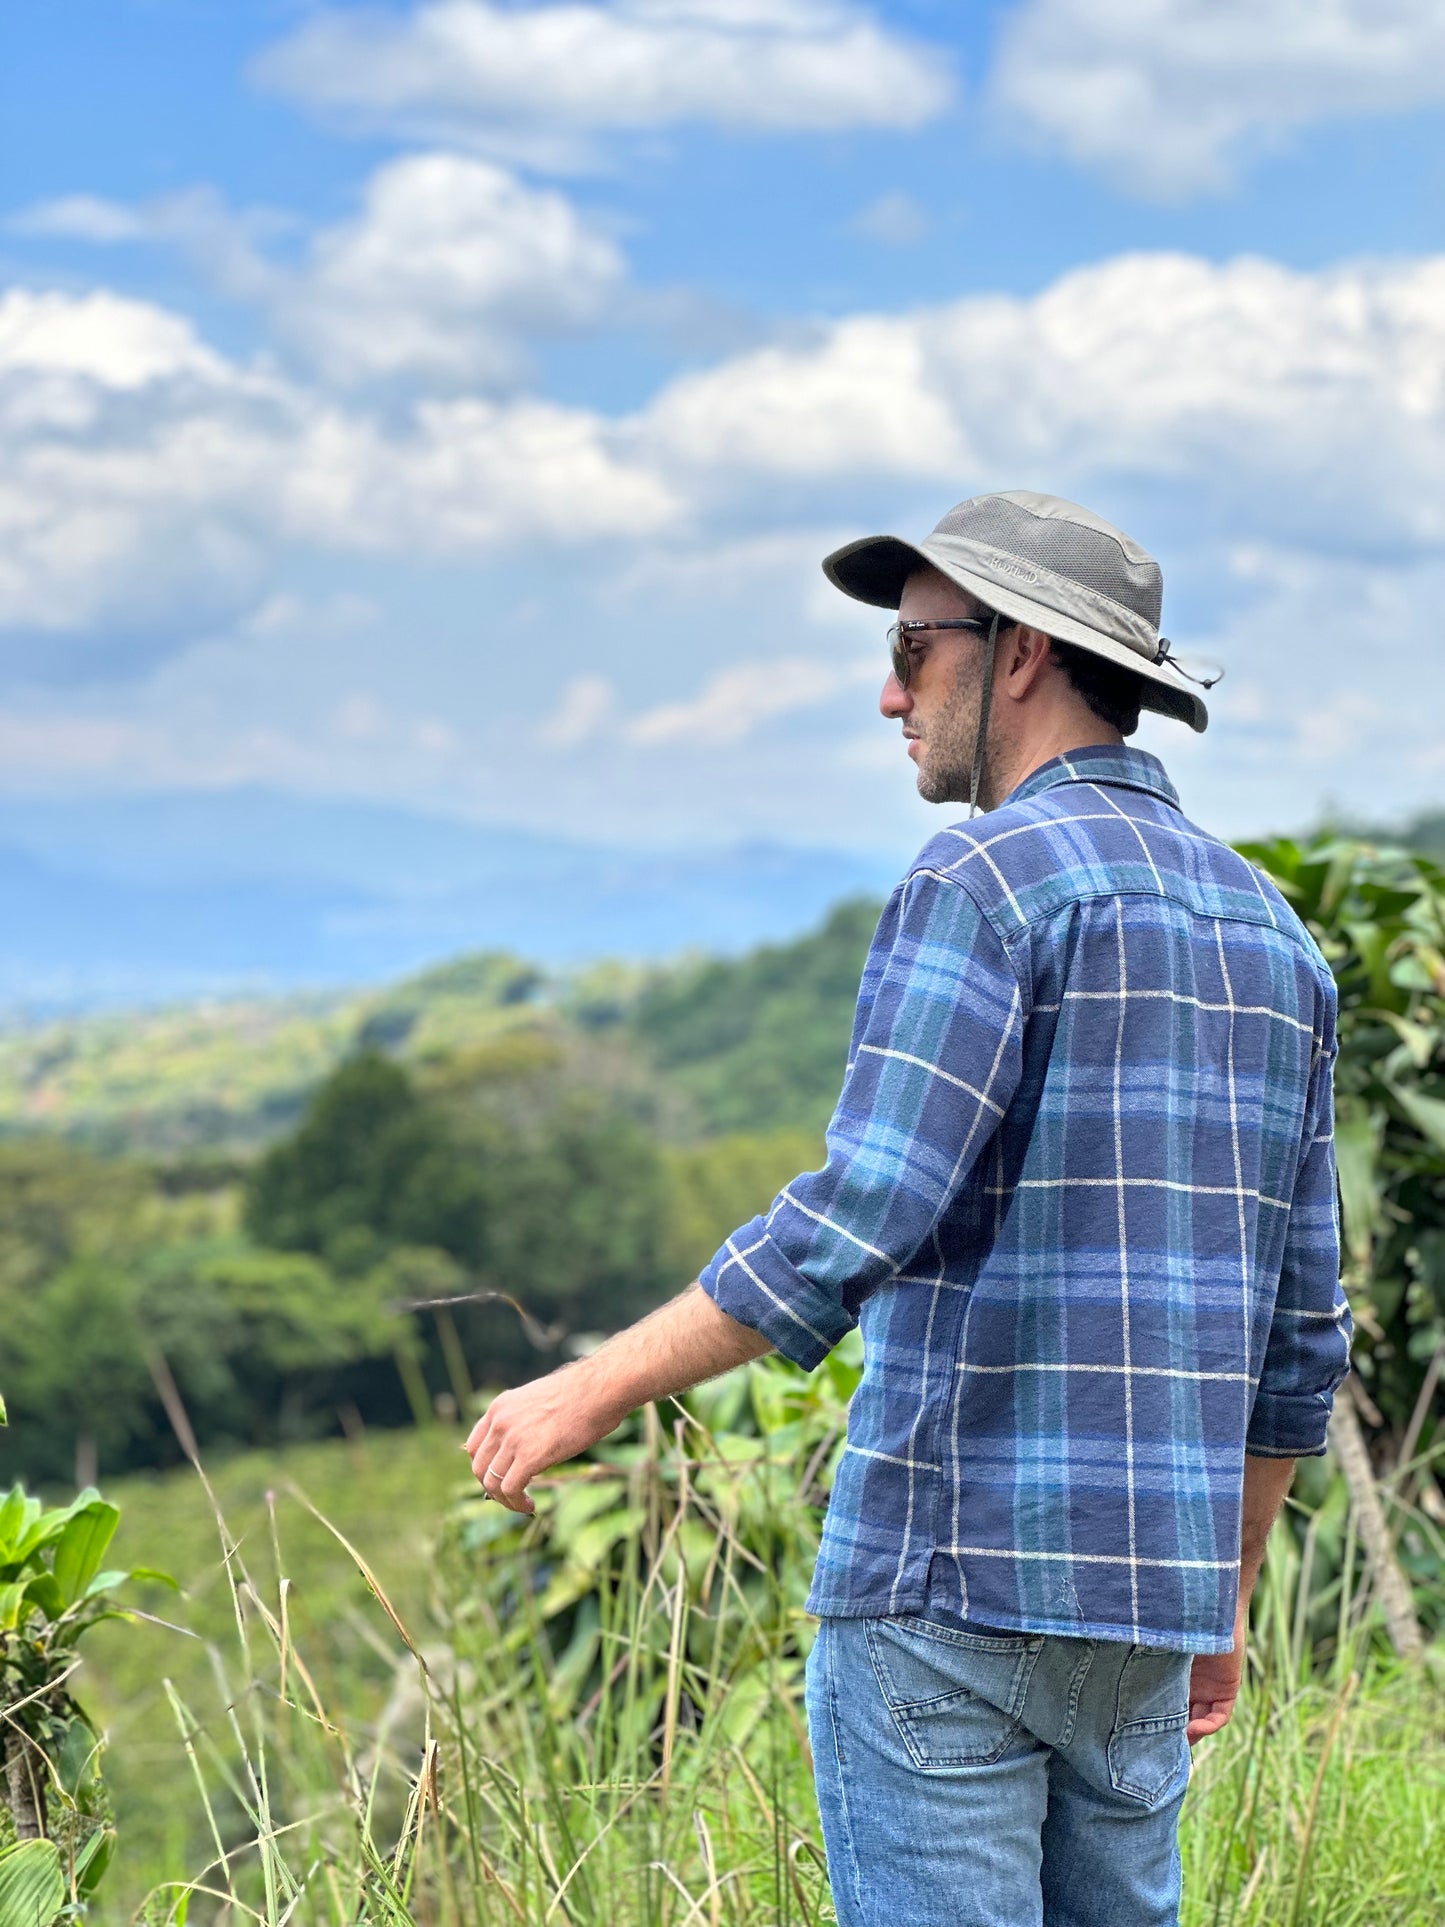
316	1213
749	1043
760	1042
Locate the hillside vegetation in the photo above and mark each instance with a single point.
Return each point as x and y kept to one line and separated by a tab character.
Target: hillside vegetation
314	1216
330	1246
752	1043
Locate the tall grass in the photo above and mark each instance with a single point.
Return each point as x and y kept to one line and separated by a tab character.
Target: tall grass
603	1724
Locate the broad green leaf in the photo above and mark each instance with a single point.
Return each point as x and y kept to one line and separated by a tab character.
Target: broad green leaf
78	1758
1427	1114
93	1859
1418	1041
44	1592
1372	943
12	1601
109	1580
32	1884
1338	877
592	1542
45	1528
81	1547
12	1512
1386	904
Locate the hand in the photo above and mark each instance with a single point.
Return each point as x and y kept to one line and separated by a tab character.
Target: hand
524	1431
1214	1681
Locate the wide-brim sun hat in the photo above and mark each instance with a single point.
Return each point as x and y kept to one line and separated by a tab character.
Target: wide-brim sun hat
1046	563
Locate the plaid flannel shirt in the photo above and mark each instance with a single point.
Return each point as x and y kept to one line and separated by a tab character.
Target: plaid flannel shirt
1080	1196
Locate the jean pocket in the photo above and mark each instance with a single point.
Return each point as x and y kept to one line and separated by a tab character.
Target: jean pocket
1148	1753
951	1704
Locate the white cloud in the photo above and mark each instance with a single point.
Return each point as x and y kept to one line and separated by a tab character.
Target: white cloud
739	700
101	337
858	398
143	476
587	705
1308	406
540	81
1332	699
894	219
80	217
451	263
448	268
1168	97
142	473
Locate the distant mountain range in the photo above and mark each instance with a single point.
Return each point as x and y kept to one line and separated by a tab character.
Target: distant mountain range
151	898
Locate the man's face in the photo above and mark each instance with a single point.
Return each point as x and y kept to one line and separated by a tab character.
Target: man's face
939	709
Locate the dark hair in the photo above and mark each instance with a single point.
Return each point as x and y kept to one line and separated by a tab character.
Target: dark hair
1111	692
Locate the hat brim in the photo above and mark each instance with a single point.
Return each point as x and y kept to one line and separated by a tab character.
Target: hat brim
875	568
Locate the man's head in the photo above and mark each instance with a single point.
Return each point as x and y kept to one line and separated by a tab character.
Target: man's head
1044	692
1076	647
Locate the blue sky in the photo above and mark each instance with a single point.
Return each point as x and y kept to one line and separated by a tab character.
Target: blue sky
445	407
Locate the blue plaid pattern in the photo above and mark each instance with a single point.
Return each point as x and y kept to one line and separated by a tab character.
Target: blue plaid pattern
1080	1197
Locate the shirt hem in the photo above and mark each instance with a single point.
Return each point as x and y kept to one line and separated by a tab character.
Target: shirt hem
1164	1641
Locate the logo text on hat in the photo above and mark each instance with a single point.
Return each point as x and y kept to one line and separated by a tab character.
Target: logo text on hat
1009	567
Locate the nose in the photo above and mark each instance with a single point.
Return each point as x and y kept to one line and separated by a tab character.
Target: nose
894	701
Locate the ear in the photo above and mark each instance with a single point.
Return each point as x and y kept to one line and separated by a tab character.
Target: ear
1026	654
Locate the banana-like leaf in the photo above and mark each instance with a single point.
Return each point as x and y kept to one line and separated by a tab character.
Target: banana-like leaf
93	1859
77	1758
45	1528
44	1591
81	1547
1372	942
32	1884
1357	1156
17	1515
109	1580
1427	1114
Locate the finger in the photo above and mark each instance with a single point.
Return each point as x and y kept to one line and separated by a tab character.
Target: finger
484	1428
491	1470
489	1457
512	1490
514	1494
1201	1728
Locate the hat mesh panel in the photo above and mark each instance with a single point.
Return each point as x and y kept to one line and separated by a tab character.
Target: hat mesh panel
1068	548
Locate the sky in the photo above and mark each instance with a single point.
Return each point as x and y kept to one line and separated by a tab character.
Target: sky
444	408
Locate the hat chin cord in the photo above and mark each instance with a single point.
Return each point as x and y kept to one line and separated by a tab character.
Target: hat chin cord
985	707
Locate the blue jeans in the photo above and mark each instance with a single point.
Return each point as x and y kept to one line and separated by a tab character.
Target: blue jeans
985	1779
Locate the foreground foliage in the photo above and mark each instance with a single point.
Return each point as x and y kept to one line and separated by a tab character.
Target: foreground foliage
53	1802
596	1717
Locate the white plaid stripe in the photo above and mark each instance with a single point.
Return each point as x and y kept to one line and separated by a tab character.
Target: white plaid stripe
1079	1191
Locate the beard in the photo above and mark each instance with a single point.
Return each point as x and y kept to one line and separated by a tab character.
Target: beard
945	767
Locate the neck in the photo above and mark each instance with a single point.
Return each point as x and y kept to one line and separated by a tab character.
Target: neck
1013	762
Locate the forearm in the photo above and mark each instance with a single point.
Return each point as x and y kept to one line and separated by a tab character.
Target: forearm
1266	1487
535	1426
675	1347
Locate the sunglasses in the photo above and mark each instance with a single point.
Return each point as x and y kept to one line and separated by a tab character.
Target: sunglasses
898	639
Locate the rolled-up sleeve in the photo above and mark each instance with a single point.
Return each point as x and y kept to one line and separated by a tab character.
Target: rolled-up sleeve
1308	1352
935	1059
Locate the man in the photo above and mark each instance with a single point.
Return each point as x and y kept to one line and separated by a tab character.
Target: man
1080	1196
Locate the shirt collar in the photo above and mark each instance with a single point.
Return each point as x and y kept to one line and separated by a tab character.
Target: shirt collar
1113	763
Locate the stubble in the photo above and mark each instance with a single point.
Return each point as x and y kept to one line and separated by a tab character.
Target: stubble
946	765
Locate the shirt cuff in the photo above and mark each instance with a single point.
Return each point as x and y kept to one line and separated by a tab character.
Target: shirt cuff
1288	1425
754	1283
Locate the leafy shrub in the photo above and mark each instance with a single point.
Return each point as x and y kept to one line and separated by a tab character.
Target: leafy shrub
52	1591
